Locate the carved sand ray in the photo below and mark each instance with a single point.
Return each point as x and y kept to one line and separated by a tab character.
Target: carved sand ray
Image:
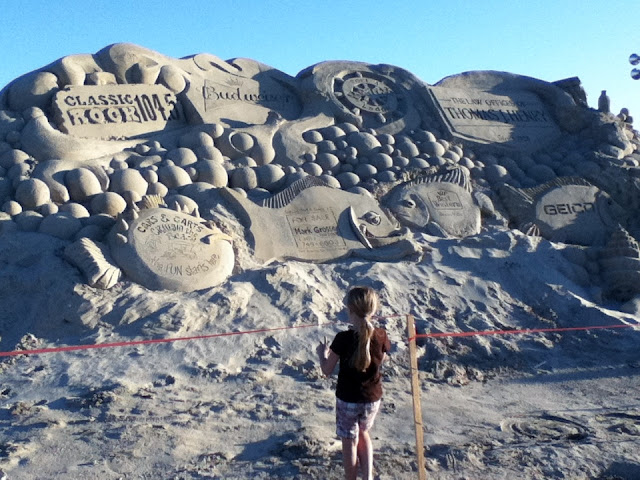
314	222
566	209
620	266
95	262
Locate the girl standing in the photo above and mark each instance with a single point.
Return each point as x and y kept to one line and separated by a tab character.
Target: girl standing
360	352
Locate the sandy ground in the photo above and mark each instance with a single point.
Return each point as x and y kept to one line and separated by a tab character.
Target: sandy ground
533	406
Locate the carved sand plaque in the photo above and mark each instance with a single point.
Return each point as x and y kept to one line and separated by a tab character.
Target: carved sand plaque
165	249
518	119
116	111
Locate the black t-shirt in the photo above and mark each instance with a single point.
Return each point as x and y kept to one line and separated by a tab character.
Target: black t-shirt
354	386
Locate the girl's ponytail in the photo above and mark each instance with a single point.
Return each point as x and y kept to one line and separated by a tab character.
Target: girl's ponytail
363	303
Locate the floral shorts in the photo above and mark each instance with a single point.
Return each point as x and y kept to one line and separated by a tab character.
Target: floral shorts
353	417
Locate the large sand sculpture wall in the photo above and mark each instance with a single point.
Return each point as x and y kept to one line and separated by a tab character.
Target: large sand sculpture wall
124	152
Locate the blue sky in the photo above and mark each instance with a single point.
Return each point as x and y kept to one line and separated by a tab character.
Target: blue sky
545	39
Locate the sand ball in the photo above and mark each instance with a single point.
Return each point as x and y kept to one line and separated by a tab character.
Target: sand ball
457	149
407	148
193	140
242	142
60	225
365	171
128	179
326	146
270	176
144	162
424	136
32	193
364	142
421	163
12	157
245	162
312	169
100	220
142	149
75	210
244	178
173	176
109	203
488	159
341	144
381	161
312	136
438	161
289	169
82	184
346	168
541	173
195	189
358	190
209	153
386	176
28	221
332	133
327	161
215	130
348	127
434	149
386	139
496	173
348	180
48	208
173	78
524	162
12	208
400	161
466	162
451	155
182	156
212	172
294	177
192	172
544	159
150	176
183	202
158	189
444	143
92	232
330	180
477	173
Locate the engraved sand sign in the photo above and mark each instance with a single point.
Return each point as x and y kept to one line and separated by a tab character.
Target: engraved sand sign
116	111
516	119
166	249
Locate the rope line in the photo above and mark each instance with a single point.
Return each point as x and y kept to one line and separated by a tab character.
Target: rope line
71	348
517	332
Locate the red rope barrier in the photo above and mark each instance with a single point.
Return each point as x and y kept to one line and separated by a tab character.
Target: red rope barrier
517	332
151	341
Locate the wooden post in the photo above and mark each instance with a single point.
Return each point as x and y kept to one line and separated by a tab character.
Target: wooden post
415	392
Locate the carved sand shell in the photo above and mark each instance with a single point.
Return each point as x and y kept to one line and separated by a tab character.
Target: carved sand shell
620	266
94	261
151	201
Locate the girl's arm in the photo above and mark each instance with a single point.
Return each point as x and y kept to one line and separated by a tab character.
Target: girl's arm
327	357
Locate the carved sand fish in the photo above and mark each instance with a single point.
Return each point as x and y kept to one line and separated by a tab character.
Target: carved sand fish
311	221
566	209
442	198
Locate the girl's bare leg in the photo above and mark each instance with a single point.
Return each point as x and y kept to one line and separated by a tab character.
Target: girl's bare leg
365	454
350	458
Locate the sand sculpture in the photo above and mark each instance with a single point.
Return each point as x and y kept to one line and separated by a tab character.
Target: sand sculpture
88	141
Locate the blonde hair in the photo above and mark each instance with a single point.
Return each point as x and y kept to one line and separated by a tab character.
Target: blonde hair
363	303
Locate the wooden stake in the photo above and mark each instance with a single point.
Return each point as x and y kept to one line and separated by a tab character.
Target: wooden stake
415	392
